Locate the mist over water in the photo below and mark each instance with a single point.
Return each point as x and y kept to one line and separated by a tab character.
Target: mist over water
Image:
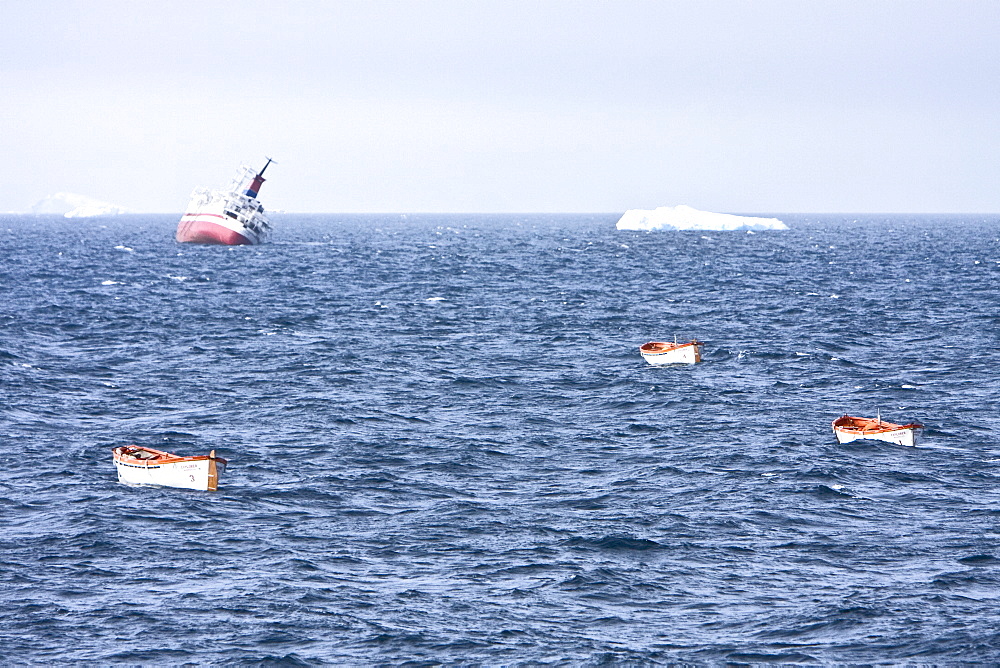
444	446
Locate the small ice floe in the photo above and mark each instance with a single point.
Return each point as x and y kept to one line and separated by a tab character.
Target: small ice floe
178	278
834	296
110	282
381	305
682	217
72	205
125	248
906	386
435	299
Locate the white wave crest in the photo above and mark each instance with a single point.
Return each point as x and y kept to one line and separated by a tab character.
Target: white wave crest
683	217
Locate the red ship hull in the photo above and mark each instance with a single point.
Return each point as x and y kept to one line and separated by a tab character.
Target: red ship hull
200	231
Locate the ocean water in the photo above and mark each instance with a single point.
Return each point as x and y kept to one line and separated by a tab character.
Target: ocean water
444	447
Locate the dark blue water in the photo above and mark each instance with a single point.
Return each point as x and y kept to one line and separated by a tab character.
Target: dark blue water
445	448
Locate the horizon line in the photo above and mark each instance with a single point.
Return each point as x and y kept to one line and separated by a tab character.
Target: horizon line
522	213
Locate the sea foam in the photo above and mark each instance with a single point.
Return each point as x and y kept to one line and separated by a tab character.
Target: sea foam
683	217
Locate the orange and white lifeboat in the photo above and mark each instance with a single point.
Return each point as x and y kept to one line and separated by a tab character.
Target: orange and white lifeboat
659	352
138	465
849	428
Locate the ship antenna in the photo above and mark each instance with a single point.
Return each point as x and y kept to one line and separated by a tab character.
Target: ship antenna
261	172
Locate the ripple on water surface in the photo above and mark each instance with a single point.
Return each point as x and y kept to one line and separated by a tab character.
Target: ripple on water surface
444	446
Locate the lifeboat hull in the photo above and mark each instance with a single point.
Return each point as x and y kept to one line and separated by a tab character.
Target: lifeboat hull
198	473
848	430
659	354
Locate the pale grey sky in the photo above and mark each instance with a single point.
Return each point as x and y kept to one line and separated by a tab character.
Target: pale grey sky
506	106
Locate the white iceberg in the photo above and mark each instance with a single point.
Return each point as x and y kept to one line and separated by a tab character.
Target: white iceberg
683	217
72	205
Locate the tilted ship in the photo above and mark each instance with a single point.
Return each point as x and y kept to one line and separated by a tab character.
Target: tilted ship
230	216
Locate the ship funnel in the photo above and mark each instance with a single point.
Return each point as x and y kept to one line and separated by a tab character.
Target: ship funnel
258	180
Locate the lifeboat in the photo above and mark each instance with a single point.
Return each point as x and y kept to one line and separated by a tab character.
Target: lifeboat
138	465
849	428
659	352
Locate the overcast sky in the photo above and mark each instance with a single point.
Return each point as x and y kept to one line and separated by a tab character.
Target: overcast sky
754	106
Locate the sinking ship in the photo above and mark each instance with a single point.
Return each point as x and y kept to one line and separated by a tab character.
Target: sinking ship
230	216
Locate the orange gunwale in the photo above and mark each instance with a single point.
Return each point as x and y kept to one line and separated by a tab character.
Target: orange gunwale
124	453
658	347
860	425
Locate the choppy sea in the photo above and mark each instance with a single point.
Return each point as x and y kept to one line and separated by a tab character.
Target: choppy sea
444	447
